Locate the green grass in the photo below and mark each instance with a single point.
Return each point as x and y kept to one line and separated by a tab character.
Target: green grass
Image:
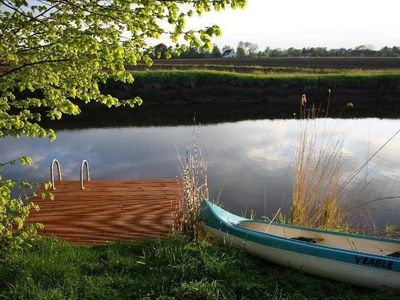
284	73
241	68
172	268
263	70
198	78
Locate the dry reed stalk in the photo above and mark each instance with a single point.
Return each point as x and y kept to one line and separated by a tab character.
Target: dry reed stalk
318	164
194	186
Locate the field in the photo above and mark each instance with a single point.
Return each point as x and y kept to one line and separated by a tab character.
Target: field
290	64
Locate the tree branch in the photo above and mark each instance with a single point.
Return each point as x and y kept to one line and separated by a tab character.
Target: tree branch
32	64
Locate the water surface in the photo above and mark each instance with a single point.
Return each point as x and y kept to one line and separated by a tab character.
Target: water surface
250	163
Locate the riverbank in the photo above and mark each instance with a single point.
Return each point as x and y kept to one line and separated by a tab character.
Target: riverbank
365	89
171	268
175	97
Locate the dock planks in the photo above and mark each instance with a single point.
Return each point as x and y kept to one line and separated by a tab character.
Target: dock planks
108	210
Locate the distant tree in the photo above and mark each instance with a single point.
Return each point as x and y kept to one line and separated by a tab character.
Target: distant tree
364	50
385	52
320	51
250	49
246	49
160	51
216	52
389	52
292	52
342	52
396	51
192	52
261	54
278	52
240	51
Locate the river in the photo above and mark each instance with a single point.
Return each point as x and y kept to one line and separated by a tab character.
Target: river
250	163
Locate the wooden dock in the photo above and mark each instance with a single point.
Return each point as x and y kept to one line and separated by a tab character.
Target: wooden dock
108	210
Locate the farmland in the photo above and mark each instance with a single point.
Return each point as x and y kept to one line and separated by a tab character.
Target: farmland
289	64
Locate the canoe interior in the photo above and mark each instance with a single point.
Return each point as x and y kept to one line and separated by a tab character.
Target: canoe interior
334	240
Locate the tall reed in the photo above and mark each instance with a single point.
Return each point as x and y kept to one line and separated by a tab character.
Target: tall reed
194	186
321	195
318	164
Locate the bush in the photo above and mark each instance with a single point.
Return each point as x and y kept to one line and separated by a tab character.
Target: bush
14	210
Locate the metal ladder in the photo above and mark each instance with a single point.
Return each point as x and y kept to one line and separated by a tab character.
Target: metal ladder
55	161
84	163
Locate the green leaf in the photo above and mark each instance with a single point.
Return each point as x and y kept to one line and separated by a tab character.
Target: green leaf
19	222
25	160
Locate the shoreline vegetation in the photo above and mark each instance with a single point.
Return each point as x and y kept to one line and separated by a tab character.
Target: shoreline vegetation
174	97
368	90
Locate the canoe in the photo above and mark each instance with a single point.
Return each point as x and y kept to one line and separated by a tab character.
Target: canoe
362	260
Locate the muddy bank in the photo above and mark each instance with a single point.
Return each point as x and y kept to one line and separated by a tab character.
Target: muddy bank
154	94
379	94
176	98
206	111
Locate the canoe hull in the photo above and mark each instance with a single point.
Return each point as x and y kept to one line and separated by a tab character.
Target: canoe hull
358	275
224	226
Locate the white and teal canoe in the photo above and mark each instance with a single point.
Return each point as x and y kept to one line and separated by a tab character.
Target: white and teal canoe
358	259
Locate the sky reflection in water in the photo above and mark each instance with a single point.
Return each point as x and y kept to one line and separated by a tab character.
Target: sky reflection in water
245	159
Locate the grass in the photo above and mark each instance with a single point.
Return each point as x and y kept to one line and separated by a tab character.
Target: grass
290	73
252	69
190	77
167	79
318	63
173	268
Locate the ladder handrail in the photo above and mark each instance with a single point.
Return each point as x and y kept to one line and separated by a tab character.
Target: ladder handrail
55	161
85	163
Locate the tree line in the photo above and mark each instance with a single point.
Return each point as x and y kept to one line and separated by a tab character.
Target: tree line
251	50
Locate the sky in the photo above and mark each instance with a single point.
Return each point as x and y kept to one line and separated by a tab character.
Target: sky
308	23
